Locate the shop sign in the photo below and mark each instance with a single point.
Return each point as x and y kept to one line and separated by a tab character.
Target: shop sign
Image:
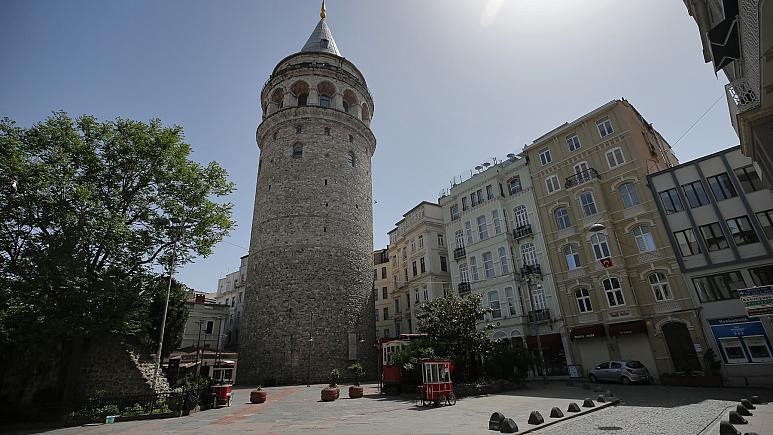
757	300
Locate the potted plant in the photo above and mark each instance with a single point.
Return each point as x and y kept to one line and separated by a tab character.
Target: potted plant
355	391
258	395
331	392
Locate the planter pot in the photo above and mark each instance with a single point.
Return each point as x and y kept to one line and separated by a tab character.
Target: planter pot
330	394
258	396
355	392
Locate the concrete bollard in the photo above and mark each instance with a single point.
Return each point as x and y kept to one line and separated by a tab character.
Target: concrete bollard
508	426
587	403
556	413
741	410
536	418
756	400
725	428
746	403
573	407
495	421
601	399
609	393
735	418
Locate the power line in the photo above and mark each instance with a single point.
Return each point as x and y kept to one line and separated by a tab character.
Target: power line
698	120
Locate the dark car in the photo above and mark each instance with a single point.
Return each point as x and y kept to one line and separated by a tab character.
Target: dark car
624	371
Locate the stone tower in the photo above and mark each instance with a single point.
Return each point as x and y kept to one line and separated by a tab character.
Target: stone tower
309	302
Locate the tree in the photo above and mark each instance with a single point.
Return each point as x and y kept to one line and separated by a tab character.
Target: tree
87	229
150	318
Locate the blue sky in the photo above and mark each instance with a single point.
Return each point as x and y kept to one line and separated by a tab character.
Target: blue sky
454	83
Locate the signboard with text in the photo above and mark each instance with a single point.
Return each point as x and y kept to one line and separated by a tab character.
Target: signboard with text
757	300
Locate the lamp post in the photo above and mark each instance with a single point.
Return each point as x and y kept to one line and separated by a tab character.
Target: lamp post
311	341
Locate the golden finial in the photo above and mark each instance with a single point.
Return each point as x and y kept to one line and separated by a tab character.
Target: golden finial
322	12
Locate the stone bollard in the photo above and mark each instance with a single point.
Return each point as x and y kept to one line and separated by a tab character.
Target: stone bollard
756	400
735	418
746	403
508	426
573	407
725	428
495	421
601	399
609	393
741	410
587	403
556	413
536	418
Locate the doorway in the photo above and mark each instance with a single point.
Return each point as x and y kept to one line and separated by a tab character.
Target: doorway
681	347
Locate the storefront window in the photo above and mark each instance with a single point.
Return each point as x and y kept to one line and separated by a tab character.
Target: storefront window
733	350
758	349
741	340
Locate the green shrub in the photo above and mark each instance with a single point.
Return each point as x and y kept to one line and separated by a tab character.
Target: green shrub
357	372
335	376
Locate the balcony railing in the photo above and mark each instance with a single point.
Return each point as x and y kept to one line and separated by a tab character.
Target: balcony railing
464	288
522	231
459	253
581	177
531	269
542	315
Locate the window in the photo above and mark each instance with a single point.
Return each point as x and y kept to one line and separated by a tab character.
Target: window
474	268
488	265
695	194
386	332
497	222
297	151
479	193
303	99
762	275
416	296
538	297
459	238
733	349
605	127
465	204
749	179
588	204
628	195
758	348
514	185
713	236
351	138
552	184
510	295
582	173
383	273
377	315
324	43
443	264
375	274
572	257
482	228
529	254
721	187
741	230
544	156
493	303
688	245
613	291
414	268
384	293
643	237
454	212
327	131
210	327
324	101
422	265
350	158
386	317
473	199
413	245
504	262
521	216
441	240
346	106
766	220
299	129
615	157
489	192
660	287
583	300
670	200
468	230
463	274
600	246
719	287
397	306
421	241
426	293
562	218
446	290
573	141
408	301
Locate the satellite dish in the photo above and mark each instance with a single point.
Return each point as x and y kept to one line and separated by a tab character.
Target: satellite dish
511	156
479	167
487	164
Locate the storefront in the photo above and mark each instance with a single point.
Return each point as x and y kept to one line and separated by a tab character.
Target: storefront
552	352
741	340
633	343
590	345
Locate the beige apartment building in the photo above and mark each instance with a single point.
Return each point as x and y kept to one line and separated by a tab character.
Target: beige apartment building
418	255
617	278
383	288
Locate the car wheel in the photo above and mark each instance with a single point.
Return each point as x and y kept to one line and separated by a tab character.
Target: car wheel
625	380
593	378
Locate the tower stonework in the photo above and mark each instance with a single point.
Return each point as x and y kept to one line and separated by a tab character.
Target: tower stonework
309	301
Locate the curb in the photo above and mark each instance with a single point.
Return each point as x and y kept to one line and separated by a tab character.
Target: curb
569	417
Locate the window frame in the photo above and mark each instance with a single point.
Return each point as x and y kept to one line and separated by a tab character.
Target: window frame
645	237
687	242
572	251
743	236
573	142
714	243
488	265
719	286
660	287
552	184
545	157
584	302
559	219
617	155
694	198
482	227
590	205
630	197
600	246
671	194
748	178
722	183
529	254
607	124
496	313
612	293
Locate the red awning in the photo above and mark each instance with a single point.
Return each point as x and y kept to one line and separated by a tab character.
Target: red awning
548	341
625	328
587	331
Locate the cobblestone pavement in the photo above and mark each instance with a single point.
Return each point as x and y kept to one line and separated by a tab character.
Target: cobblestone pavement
297	409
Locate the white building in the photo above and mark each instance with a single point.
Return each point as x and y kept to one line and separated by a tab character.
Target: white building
230	291
383	289
206	324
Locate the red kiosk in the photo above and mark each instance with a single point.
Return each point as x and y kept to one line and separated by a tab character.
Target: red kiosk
437	388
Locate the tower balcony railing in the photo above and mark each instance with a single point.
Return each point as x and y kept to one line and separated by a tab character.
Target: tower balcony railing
522	231
464	288
530	269
541	315
581	177
459	252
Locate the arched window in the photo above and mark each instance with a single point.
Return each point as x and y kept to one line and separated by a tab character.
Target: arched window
346	107
572	257
301	91
349	100
628	195
278	98
588	204
514	184
464	276
644	240
583	300
529	254
562	218
326	92
613	291
297	151
600	246
660	287
365	112
521	216
324	101
504	261
350	158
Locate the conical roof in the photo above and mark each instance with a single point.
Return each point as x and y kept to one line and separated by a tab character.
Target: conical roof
321	40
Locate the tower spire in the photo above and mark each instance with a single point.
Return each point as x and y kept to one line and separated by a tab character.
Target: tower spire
323	13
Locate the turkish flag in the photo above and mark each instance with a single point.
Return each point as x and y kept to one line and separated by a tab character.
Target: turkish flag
606	262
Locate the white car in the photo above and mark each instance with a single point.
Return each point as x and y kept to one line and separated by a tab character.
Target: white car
624	371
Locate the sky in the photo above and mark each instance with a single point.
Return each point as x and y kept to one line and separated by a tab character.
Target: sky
454	83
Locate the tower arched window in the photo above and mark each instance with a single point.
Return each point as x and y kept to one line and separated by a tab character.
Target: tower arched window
297	151
324	101
326	92
303	99
350	158
301	91
346	107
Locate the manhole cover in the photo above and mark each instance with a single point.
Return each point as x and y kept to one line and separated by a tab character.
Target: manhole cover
609	428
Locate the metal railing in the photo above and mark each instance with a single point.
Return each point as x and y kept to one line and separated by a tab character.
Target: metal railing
522	231
464	288
541	315
531	269
459	253
581	177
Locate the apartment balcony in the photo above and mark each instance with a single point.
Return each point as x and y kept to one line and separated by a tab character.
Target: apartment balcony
464	288
537	316
581	178
460	253
530	269
522	231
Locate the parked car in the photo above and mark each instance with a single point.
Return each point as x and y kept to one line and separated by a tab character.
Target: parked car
624	371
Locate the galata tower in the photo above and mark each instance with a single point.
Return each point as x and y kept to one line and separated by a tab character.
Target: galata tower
309	300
